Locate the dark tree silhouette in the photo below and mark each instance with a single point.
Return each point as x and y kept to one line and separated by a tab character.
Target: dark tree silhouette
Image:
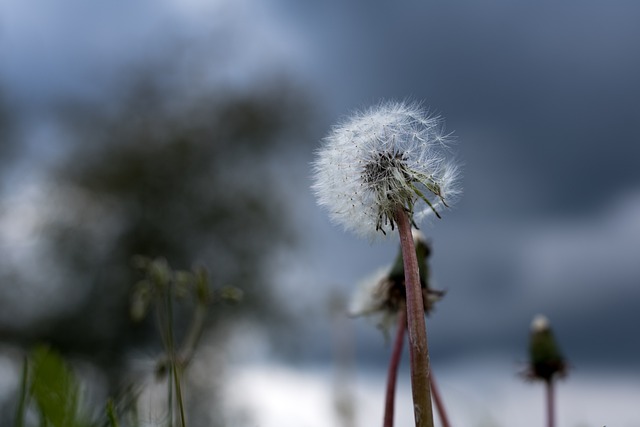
155	173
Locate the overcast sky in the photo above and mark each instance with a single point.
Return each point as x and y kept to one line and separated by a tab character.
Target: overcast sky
542	98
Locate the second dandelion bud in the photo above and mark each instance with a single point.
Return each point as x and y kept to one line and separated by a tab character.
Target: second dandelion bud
388	157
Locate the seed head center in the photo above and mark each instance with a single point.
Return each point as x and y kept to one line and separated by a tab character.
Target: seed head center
384	168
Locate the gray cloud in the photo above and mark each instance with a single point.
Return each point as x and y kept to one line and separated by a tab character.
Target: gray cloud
542	97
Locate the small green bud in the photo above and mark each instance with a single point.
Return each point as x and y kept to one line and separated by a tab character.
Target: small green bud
160	272
231	294
140	300
183	280
202	285
545	358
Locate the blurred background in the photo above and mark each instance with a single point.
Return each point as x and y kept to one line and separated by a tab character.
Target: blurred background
185	129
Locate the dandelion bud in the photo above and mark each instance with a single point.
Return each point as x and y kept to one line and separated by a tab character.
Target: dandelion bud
383	294
546	360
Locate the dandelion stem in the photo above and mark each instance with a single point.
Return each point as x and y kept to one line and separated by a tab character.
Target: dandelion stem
394	363
418	350
550	402
437	399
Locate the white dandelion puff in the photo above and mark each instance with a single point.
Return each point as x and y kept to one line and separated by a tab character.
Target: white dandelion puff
388	157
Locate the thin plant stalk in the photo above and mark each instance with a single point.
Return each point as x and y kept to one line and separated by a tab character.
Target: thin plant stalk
175	368
23	394
165	318
550	402
418	350
165	332
392	376
176	379
437	400
394	363
195	333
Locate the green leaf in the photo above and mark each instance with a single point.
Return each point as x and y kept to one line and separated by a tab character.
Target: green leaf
111	414
55	390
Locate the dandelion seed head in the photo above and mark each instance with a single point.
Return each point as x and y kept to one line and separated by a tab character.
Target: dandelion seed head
389	156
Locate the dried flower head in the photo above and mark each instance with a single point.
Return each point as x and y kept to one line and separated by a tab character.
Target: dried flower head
388	157
382	295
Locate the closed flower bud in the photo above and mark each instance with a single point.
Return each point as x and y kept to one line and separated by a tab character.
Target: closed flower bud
545	357
383	294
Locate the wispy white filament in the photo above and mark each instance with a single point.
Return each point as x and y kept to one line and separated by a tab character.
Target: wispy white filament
389	156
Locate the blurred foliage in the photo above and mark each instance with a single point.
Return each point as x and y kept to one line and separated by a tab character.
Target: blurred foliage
52	390
185	182
163	288
152	172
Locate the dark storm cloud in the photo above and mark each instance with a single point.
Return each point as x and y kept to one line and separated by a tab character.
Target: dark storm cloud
550	88
542	96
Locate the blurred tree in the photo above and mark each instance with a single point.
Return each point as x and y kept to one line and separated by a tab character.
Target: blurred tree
155	173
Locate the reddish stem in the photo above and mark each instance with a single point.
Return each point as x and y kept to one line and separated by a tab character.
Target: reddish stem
418	350
550	403
437	399
394	363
